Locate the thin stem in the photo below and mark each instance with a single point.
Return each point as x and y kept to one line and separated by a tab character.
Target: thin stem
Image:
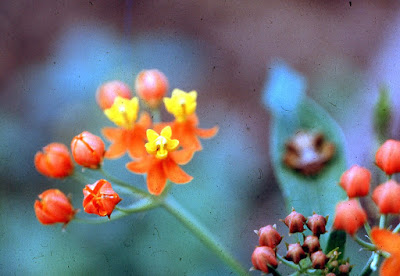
190	222
287	263
366	271
367	228
374	263
123	183
366	245
155	115
382	221
397	229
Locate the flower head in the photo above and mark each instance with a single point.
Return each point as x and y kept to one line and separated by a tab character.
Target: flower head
356	181
389	242
387	197
107	92
349	216
388	157
160	145
54	207
181	104
151	86
100	198
54	161
123	112
87	150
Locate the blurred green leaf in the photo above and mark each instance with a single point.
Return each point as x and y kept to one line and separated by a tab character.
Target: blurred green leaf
307	194
382	115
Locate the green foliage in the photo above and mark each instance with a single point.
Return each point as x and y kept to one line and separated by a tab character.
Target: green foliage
382	115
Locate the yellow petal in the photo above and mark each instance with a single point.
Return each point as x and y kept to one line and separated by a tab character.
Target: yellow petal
166	132
151	135
172	144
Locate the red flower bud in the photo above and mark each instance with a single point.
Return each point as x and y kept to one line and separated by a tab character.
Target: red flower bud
388	157
100	198
331	274
107	92
387	197
349	216
53	207
356	181
87	150
54	161
295	253
318	260
295	221
311	244
269	236
262	257
151	86
316	223
345	269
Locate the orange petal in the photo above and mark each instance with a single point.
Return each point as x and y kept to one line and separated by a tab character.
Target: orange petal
116	150
141	166
136	147
144	120
159	126
193	119
112	133
390	267
207	133
156	179
175	173
183	156
385	240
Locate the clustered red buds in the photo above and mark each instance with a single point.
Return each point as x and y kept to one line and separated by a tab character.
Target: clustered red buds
54	207
107	92
55	161
151	86
100	198
388	157
262	257
350	216
269	236
356	181
295	221
88	150
316	223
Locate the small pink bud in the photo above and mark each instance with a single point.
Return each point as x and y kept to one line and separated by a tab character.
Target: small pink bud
295	221
316	223
318	260
151	86
345	268
356	181
87	150
388	157
295	253
269	236
349	216
262	257
311	244
107	92
387	197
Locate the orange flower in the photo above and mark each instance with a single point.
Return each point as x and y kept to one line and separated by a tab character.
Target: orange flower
389	242
162	163
349	216
100	198
130	136
183	106
53	207
54	161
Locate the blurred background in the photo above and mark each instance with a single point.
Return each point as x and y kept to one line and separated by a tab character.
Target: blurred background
54	54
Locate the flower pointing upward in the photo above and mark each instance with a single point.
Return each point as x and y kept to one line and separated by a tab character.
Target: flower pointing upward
131	134
389	242
183	106
162	162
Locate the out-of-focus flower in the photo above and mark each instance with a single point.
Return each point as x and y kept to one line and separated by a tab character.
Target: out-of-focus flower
162	162
269	236
319	260
316	223
151	86
262	257
130	136
107	92
183	106
295	221
100	198
356	181
87	150
349	216
387	241
388	157
53	207
54	161
387	197
295	253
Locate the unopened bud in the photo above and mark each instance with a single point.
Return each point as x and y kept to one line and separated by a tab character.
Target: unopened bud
316	223
318	260
311	244
295	221
295	253
269	236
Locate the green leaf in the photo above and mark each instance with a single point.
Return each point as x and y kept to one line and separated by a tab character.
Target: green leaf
382	115
307	194
336	239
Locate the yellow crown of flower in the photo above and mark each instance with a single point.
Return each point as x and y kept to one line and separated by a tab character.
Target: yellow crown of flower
181	104
123	112
160	145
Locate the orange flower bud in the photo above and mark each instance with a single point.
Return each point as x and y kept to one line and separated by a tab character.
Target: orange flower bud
388	157
387	197
100	198
311	244
295	221
345	268
316	223
356	181
54	207
151	86
262	257
350	216
319	260
87	150
107	92
54	161
295	253
269	236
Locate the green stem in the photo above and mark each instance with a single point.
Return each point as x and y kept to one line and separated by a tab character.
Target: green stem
367	228
366	245
190	222
286	262
121	183
366	271
382	221
397	229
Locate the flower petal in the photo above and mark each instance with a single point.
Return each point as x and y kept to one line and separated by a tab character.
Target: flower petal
390	267
136	147
207	133
151	135
166	132
183	156
385	240
144	120
156	179
116	150
112	133
175	173
141	166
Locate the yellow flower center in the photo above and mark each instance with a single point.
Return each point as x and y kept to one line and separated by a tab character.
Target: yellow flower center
123	112
181	104
160	145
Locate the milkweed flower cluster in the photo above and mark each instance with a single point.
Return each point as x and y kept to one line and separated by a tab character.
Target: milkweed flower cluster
157	149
